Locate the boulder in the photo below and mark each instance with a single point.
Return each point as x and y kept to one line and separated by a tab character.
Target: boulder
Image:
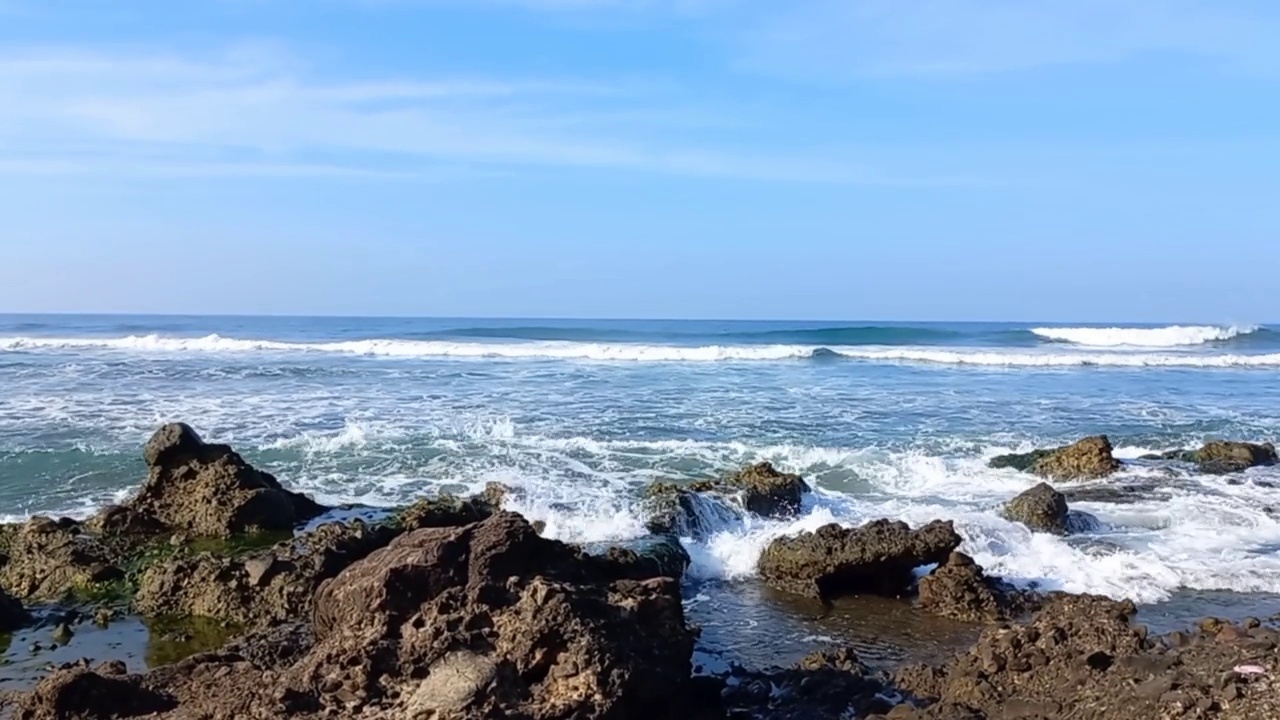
48	559
768	492
1041	509
878	558
959	590
1087	459
824	684
1220	457
205	490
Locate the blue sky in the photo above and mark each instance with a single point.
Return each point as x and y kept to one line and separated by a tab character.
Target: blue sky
824	159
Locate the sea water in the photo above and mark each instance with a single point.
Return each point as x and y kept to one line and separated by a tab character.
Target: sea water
885	420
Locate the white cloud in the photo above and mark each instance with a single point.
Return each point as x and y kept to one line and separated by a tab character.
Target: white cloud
259	111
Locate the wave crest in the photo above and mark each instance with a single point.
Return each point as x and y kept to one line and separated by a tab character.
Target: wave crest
1172	336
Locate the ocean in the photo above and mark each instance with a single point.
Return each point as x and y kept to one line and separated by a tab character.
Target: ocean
892	420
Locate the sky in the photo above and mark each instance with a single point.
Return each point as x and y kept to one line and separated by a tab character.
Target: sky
1062	160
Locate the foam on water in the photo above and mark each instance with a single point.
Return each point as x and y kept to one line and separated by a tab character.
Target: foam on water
634	352
1172	336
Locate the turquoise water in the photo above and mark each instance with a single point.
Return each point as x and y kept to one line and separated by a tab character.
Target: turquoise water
887	420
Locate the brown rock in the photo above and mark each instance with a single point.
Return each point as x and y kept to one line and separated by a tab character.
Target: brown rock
1086	459
47	560
1220	457
1041	509
205	490
768	492
959	590
877	558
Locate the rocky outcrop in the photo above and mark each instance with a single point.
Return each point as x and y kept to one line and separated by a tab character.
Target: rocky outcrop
878	558
49	559
1087	459
485	620
279	583
768	492
1222	457
205	490
959	590
694	509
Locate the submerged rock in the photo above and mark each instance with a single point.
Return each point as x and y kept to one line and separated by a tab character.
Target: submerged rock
693	509
204	490
1087	459
825	684
49	559
878	558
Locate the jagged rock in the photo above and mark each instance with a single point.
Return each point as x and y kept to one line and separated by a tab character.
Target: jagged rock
877	558
204	489
474	622
1087	459
959	590
693	509
279	583
48	559
768	492
272	586
1221	457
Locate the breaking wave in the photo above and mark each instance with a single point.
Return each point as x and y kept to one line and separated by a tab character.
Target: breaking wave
1163	337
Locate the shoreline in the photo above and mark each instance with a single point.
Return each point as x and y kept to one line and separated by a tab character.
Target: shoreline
196	489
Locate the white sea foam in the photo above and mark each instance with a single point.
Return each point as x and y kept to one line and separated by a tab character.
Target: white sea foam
634	352
1172	336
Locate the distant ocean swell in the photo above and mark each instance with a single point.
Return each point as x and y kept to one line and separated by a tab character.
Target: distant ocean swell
1176	346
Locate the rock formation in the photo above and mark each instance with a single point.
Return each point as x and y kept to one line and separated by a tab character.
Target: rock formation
1087	459
877	558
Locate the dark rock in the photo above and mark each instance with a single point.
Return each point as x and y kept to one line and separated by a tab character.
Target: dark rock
205	490
12	614
768	492
1086	459
877	558
694	510
1041	509
959	590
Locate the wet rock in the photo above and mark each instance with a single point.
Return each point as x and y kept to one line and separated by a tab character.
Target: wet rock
1041	509
1221	457
1086	459
692	510
62	634
959	590
205	490
825	684
48	560
877	558
275	585
768	492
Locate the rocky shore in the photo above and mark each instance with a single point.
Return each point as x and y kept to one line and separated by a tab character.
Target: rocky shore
453	608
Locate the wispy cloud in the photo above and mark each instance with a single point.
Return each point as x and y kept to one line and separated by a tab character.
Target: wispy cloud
965	37
256	110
